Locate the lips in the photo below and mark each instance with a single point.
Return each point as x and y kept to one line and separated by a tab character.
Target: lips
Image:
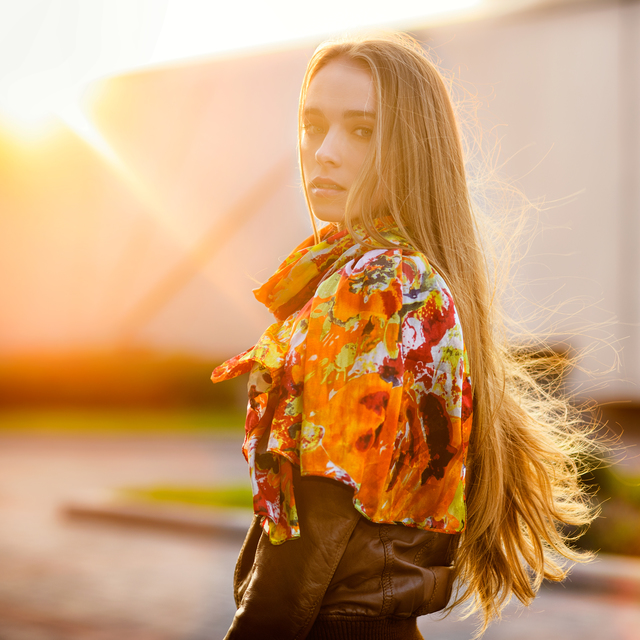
325	187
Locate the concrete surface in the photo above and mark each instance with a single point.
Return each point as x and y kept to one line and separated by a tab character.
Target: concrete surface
70	579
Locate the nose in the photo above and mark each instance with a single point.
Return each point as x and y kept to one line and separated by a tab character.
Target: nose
329	150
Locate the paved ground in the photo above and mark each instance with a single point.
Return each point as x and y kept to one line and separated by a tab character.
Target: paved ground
63	579
556	614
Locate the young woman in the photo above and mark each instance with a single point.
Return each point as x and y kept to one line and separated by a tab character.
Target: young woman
395	443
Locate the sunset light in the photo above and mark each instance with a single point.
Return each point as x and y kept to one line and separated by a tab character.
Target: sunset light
198	27
57	57
57	49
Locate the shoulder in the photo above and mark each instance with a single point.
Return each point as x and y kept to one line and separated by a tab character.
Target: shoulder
374	269
403	268
394	280
422	282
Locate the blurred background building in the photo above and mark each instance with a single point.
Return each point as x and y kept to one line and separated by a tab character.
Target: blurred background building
145	221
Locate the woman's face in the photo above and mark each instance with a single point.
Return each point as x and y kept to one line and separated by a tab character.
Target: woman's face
338	122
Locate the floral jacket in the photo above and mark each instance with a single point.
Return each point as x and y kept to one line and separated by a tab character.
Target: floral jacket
364	379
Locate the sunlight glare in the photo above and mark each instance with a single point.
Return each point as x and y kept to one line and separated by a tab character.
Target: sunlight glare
29	120
63	47
75	118
197	27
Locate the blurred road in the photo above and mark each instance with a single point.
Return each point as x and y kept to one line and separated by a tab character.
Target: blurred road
63	579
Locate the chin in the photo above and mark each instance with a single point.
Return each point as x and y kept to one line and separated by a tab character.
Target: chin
329	216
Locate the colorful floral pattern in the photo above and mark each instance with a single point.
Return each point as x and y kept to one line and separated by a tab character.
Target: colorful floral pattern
364	378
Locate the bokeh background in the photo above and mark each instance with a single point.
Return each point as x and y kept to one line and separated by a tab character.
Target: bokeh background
148	181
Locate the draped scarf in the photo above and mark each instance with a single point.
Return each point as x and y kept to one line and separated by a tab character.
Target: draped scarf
363	378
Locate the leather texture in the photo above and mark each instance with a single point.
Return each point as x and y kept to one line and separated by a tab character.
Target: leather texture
343	570
359	628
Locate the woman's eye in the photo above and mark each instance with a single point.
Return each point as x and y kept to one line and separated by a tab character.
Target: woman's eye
312	129
364	132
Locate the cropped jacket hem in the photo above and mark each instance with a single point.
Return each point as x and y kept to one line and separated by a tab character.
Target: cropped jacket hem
350	627
345	577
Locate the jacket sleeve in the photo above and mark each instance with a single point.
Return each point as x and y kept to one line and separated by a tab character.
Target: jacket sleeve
279	588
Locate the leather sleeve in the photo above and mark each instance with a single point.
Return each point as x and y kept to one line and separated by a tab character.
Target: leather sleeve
279	589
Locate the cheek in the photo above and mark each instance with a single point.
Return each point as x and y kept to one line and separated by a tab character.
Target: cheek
357	158
307	153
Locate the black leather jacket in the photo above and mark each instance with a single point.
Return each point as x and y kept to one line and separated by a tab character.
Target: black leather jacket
344	577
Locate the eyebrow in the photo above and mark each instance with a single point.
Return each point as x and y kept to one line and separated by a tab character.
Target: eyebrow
349	113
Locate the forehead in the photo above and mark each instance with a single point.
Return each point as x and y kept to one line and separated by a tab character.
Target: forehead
341	84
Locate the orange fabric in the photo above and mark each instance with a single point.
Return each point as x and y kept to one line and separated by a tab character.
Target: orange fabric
364	379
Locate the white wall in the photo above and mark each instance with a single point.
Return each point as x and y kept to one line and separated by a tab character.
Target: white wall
562	86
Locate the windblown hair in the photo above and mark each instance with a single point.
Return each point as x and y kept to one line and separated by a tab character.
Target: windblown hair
528	445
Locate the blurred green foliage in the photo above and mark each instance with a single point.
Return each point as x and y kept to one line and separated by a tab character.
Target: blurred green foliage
232	496
132	392
617	530
128	379
123	421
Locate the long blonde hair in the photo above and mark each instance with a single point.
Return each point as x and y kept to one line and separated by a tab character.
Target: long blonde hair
527	443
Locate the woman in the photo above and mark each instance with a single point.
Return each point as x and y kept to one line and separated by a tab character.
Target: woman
382	445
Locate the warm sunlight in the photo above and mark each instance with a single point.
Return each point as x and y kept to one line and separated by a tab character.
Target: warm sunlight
31	122
197	27
74	117
55	50
59	64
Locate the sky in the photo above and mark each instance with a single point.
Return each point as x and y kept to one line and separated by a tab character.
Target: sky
50	50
